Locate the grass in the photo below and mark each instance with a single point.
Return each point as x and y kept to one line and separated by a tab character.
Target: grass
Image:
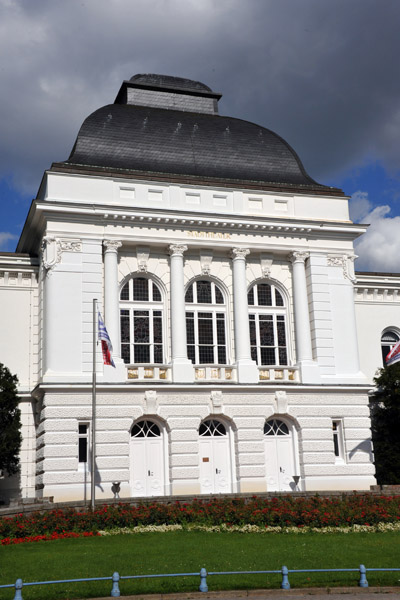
183	551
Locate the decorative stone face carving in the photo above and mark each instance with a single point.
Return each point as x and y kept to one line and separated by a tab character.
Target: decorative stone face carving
206	257
150	402
280	403
216	401
266	264
142	254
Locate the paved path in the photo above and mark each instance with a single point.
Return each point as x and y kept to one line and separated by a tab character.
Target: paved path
342	593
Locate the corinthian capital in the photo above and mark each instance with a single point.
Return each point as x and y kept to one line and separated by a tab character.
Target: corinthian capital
298	256
112	245
177	249
240	253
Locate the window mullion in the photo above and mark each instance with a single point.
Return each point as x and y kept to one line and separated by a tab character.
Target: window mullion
131	338
258	339
196	337
151	334
275	330
215	340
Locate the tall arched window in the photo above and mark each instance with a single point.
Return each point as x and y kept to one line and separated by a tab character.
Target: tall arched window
205	323
388	340
141	322
267	321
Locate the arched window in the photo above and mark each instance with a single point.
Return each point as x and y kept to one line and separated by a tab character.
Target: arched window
141	322
205	323
267	316
388	340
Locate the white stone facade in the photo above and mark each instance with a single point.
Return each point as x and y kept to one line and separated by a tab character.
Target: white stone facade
166	424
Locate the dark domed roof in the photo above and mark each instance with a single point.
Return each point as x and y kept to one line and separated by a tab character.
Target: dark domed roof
169	126
170	82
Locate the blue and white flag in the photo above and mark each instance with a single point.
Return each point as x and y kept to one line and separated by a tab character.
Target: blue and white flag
106	344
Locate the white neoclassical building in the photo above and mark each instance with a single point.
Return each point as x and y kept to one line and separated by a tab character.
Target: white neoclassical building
244	342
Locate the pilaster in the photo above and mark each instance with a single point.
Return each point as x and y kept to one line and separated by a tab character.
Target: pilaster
308	367
182	368
247	371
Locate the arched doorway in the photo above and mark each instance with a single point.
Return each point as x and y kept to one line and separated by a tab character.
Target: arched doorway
279	456
147	459
215	458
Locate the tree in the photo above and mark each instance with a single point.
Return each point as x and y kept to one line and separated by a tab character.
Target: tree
385	424
10	423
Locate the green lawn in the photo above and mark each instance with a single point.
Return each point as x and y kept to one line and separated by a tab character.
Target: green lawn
184	551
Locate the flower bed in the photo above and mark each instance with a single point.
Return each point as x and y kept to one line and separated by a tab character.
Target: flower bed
46	538
284	511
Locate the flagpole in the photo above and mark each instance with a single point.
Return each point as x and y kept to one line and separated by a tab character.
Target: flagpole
93	454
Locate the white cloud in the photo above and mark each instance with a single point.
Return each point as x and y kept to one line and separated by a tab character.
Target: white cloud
360	205
379	248
5	239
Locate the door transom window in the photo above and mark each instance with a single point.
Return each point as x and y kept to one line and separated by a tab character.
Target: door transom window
145	429
276	427
212	428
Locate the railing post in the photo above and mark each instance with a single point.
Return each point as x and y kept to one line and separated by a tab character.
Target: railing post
285	585
115	593
363	577
203	587
18	588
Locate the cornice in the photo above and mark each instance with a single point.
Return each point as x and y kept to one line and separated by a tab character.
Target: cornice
130	388
204	220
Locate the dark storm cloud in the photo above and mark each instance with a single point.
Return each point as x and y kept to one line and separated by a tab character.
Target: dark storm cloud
321	73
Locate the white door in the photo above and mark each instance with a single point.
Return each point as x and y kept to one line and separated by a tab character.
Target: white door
147	460
279	456
215	460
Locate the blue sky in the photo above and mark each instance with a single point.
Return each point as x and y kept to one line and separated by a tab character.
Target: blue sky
322	74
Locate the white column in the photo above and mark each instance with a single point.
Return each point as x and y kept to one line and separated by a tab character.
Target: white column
182	368
309	369
247	371
111	294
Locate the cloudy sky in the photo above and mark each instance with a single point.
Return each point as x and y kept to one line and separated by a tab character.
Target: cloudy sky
324	74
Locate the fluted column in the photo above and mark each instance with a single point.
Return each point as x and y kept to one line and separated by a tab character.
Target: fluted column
182	368
111	294
247	370
309	369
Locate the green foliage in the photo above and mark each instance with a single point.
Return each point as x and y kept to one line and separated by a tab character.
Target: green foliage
10	422
186	552
385	417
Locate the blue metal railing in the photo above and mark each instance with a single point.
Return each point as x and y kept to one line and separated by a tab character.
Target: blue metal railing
203	587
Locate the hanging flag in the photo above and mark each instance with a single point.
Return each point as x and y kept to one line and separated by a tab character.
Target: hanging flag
106	344
394	355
